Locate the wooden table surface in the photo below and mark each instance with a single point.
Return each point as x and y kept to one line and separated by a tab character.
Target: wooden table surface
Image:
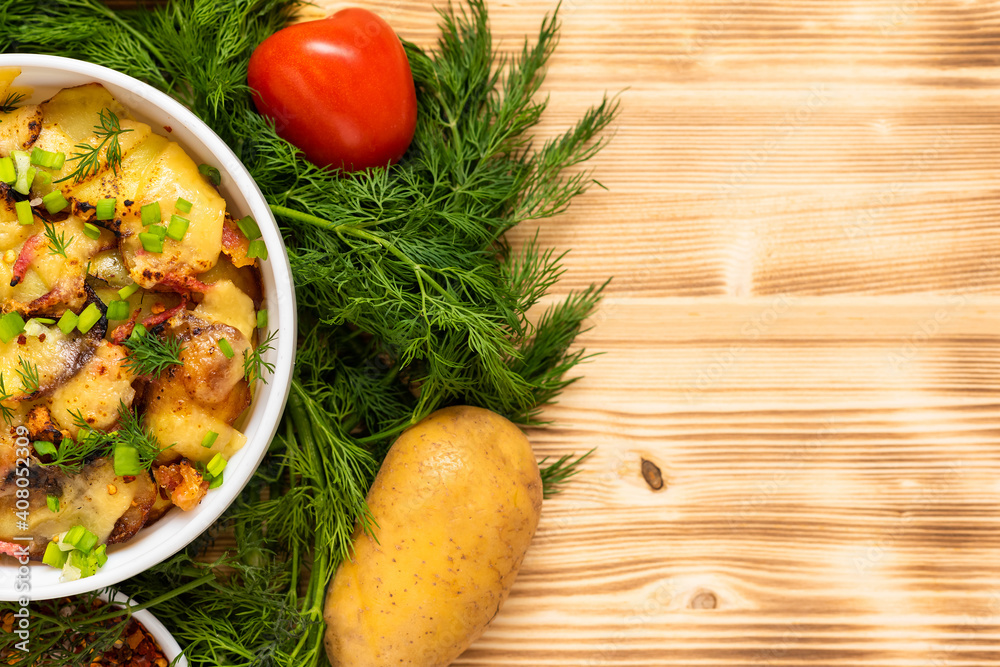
802	335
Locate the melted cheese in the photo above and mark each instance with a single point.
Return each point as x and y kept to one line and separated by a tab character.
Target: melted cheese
55	355
96	391
19	129
49	271
84	499
181	424
225	303
172	175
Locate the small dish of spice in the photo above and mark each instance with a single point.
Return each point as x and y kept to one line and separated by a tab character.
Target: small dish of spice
110	639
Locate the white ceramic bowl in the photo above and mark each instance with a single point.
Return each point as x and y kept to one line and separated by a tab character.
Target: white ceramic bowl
167	643
47	75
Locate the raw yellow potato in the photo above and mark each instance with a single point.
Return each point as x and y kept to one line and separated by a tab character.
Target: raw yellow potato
456	503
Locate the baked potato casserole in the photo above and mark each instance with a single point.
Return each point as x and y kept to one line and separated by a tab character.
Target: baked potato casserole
131	329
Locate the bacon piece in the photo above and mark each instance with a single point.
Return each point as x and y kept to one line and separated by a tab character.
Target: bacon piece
183	484
13	550
123	331
182	284
27	255
156	320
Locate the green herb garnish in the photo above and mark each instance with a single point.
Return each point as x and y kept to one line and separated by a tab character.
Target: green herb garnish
10	102
409	299
58	243
28	372
254	365
72	453
152	355
88	159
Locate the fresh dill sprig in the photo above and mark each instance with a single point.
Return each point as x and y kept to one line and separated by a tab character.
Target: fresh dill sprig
72	453
152	355
131	433
6	412
10	102
556	474
88	159
58	243
28	372
409	298
254	365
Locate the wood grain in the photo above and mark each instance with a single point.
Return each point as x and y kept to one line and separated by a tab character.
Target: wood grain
802	334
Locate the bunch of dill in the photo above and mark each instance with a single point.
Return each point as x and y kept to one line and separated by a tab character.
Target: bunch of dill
409	297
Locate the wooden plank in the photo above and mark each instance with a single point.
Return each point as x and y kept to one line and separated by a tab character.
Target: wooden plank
801	334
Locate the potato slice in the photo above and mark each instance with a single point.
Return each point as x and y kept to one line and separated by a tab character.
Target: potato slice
95	498
69	119
207	393
52	354
96	391
51	282
20	129
226	303
7	76
172	175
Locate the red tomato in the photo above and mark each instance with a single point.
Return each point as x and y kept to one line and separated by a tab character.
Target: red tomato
339	88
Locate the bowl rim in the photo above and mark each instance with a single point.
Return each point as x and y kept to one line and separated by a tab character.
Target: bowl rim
269	399
169	646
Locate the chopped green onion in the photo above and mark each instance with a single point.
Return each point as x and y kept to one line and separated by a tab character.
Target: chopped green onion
216	482
159	230
100	555
91	231
150	213
54	201
216	465
44	448
128	291
47	159
226	348
80	538
183	205
178	227
90	316
127	461
24	214
257	249
55	556
68	322
78	562
262	318
24	180
138	331
151	242
87	543
52	502
42	178
38	156
106	209
71	536
118	310
44	320
211	173
7	172
209	439
249	227
11	326
22	164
